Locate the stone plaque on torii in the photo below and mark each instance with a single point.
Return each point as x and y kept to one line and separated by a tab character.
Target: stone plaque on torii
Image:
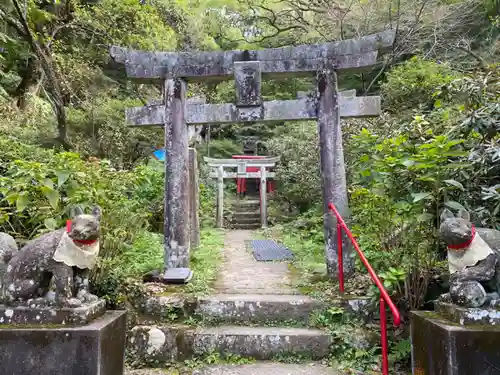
175	69
218	172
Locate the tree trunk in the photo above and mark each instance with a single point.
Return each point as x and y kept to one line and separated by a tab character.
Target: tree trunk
29	78
43	54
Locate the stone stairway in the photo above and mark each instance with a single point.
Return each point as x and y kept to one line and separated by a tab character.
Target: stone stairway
254	313
268	369
263	368
245	214
262	327
266	328
258	308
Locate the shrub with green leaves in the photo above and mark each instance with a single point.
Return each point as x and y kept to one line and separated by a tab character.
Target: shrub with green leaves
298	171
414	83
39	187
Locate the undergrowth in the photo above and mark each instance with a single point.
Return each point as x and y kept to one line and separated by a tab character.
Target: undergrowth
146	254
205	261
356	344
216	358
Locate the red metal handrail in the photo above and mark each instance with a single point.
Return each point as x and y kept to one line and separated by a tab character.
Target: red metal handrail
384	296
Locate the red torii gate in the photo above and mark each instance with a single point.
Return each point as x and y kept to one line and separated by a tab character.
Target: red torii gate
241	181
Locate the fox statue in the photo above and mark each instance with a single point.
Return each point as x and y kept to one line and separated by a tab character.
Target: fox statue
63	256
473	261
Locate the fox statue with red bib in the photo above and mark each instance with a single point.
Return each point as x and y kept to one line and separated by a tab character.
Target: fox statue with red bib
473	261
63	256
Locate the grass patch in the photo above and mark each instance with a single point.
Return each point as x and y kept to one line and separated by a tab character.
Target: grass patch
146	254
308	268
205	261
216	358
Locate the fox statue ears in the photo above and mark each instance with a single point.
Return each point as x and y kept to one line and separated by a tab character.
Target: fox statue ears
77	210
462	214
97	212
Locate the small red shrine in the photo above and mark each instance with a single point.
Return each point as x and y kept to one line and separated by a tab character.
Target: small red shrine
241	183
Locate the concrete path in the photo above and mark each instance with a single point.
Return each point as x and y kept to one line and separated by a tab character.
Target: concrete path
268	369
242	274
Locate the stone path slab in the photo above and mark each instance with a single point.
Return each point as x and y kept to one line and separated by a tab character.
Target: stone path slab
268	369
242	274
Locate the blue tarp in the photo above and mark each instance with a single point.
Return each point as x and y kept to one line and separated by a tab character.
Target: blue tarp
159	154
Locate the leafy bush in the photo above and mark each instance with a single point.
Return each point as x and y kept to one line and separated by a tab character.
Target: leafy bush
414	83
39	188
98	128
298	171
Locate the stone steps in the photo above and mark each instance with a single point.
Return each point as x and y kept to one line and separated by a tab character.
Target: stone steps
235	210
260	368
268	368
247	214
162	344
258	308
246	220
247	202
246	226
271	291
262	342
246	206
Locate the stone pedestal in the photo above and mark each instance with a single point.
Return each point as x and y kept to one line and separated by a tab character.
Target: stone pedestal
51	315
95	348
441	346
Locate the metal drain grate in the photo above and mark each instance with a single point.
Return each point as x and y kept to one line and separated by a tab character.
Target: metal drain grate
269	250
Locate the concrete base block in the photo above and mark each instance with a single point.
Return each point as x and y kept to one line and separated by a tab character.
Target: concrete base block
51	314
440	346
96	348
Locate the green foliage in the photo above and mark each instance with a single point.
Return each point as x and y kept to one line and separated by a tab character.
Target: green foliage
220	149
354	346
417	173
436	144
145	254
413	83
98	129
403	170
206	261
298	170
129	23
400	352
216	358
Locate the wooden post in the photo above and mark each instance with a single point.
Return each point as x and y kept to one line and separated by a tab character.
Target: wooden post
220	196
194	200
263	197
332	168
176	226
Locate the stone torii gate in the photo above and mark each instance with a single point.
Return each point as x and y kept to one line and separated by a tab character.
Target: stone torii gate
241	165
175	69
